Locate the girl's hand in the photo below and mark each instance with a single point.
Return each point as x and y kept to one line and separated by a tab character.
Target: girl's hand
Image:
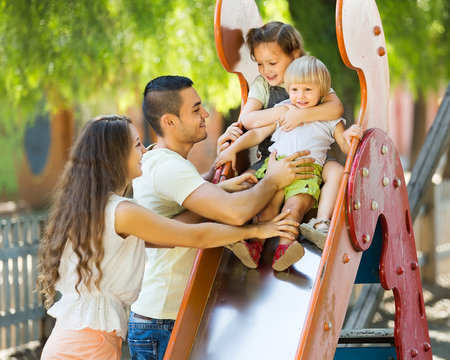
231	134
353	131
227	155
239	183
291	119
278	226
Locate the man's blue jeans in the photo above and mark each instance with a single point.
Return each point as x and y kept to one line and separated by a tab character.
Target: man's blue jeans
148	339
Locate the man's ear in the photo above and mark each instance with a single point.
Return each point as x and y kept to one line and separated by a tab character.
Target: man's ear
168	121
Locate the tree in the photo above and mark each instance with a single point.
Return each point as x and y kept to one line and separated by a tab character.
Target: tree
99	55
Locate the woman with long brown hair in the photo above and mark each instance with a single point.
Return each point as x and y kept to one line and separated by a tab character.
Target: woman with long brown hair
92	252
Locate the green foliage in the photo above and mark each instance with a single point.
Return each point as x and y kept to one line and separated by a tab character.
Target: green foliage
417	42
100	54
318	29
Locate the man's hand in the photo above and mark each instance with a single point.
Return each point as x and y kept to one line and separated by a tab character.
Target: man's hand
231	134
239	183
291	118
293	167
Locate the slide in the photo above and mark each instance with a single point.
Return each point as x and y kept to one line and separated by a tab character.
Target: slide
232	312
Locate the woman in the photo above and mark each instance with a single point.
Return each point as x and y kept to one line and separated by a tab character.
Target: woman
91	251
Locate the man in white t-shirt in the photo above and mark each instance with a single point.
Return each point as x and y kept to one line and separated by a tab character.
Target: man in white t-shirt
169	185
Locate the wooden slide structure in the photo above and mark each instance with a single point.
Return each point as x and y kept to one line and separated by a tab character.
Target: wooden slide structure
231	312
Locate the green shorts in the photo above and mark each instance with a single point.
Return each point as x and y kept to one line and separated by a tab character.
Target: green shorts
308	186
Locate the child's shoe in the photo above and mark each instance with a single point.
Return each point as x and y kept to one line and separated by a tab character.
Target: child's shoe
316	231
248	252
287	255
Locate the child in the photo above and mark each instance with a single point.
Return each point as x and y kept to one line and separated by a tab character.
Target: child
91	251
274	46
308	81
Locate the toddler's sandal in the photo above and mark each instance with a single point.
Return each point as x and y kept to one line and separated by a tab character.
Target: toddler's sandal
317	236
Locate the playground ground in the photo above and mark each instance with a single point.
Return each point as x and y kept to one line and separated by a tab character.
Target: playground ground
437	303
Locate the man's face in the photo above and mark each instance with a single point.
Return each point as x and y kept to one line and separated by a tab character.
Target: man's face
192	126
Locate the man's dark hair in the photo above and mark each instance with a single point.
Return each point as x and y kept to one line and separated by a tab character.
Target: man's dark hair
162	96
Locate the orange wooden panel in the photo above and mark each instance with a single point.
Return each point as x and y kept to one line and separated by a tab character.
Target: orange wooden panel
232	20
362	46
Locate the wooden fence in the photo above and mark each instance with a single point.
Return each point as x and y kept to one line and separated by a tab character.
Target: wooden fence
21	313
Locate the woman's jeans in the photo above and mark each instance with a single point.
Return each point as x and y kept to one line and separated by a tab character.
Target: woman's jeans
148	339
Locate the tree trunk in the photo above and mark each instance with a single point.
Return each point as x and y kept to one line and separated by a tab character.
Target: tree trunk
419	128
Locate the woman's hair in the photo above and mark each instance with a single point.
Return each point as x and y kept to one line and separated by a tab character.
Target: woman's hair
309	70
96	168
285	35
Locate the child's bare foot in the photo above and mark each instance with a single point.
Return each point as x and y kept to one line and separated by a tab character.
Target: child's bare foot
316	231
287	255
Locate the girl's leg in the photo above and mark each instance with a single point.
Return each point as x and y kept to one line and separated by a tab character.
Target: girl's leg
316	229
289	252
249	252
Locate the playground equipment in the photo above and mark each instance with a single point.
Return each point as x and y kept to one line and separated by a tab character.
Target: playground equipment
231	312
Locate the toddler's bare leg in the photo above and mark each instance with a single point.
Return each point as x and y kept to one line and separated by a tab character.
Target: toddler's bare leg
299	205
331	175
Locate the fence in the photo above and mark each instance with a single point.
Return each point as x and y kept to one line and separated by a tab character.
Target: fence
21	313
432	231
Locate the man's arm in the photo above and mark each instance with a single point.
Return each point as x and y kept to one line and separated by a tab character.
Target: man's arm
212	202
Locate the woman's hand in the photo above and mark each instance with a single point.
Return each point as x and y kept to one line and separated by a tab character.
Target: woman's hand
278	226
239	183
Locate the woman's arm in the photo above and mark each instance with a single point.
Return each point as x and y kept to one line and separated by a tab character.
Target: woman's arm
330	109
133	219
253	115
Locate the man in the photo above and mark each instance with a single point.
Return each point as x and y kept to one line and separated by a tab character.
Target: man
169	185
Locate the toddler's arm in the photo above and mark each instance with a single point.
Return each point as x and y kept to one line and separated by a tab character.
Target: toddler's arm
250	138
330	109
254	116
343	137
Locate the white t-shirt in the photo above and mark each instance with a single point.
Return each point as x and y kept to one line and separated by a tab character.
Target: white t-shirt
167	180
316	136
123	269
